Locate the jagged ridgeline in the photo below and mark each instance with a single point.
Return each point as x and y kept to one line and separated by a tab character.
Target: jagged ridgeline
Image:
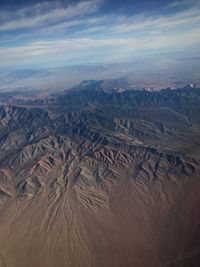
100	177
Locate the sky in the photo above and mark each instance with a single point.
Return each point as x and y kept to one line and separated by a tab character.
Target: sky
41	34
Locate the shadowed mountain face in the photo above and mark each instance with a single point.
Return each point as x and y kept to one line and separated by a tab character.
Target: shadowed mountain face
101	178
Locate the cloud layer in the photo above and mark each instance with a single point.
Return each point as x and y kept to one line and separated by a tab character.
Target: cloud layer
51	32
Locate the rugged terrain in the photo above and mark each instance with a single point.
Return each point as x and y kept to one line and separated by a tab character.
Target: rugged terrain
101	178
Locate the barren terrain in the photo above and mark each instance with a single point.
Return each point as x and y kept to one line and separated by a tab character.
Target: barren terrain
101	179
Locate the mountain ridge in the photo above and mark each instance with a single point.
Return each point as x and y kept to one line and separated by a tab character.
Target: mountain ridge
95	178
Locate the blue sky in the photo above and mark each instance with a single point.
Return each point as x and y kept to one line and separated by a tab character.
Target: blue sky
55	33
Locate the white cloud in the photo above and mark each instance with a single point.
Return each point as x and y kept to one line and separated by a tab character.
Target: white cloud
74	48
44	13
106	48
94	35
181	3
51	19
165	22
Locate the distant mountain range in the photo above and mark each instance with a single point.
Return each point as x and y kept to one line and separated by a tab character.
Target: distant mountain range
140	74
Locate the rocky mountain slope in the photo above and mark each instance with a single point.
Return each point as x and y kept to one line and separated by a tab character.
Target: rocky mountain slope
101	178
